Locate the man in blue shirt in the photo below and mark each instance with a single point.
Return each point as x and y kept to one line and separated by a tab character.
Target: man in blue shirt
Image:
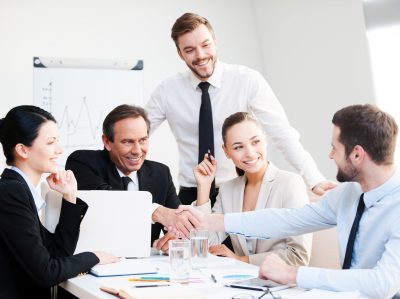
365	210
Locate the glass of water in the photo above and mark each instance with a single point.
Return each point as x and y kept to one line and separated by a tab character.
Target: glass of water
179	260
199	248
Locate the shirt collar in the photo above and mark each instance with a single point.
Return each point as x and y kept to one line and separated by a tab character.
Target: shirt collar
375	195
215	80
132	175
36	193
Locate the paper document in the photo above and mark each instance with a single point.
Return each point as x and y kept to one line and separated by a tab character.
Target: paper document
124	267
318	294
171	292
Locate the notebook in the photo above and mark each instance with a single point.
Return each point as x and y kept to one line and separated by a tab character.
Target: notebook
125	267
118	222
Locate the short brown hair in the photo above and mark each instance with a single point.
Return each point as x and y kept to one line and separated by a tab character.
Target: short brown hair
187	23
367	126
122	112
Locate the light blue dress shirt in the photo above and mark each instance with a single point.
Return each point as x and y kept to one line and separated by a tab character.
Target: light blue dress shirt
375	266
37	196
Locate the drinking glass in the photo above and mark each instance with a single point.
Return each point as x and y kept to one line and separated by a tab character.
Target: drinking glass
199	248
179	260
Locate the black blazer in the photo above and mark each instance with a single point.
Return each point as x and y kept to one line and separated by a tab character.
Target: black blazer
31	258
95	171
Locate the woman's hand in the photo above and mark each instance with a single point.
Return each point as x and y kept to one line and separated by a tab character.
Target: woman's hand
105	257
222	250
204	172
64	182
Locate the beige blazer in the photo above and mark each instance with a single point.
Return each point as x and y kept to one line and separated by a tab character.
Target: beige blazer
279	189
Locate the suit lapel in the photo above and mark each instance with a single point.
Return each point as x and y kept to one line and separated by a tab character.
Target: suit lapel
238	194
265	190
144	178
114	178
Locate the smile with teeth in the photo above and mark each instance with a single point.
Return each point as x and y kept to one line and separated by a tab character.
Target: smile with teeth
202	62
134	159
251	161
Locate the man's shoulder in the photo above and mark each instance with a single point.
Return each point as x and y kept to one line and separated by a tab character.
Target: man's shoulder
175	79
238	69
155	165
86	153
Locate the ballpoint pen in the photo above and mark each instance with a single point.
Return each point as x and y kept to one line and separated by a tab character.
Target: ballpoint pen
213	278
150	286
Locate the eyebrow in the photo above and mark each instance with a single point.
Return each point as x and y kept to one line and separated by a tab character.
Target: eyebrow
192	47
252	138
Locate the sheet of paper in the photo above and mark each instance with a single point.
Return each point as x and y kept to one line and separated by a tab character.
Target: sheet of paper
318	294
170	292
124	267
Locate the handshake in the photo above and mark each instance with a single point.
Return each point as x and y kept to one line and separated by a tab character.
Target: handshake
181	221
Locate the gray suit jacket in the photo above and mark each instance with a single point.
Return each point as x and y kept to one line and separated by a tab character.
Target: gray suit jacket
279	189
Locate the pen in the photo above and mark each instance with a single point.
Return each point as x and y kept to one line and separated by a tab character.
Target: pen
111	291
149	279
151	286
208	155
155	277
213	278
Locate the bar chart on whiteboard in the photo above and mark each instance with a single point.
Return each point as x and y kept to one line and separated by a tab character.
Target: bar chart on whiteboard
80	93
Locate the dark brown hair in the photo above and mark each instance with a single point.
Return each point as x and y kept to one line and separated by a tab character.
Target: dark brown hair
122	112
187	23
21	125
367	126
234	119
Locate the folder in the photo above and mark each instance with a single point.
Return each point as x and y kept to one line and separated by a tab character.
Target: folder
124	267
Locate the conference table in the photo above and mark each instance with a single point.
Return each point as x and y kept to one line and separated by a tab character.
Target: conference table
224	270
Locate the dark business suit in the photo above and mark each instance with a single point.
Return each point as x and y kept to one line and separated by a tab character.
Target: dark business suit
95	171
31	258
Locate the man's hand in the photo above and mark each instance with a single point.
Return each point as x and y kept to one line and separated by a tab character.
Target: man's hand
275	269
212	222
182	221
322	187
222	250
162	243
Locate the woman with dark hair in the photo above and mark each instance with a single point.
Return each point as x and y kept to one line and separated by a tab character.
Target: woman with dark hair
259	185
32	259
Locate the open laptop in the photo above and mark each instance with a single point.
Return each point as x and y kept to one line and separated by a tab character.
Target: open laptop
118	222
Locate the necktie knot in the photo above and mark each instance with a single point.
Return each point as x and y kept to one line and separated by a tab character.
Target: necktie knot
125	181
204	86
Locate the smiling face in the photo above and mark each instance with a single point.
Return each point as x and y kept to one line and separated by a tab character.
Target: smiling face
245	145
198	49
42	155
347	172
129	148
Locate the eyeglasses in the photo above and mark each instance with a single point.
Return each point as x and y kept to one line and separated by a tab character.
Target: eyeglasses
249	296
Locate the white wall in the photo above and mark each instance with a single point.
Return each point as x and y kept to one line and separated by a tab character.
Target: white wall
313	52
316	59
115	29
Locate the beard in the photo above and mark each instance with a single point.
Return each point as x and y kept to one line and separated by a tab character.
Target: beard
348	174
199	75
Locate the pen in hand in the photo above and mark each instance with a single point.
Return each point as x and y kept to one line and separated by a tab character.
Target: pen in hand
213	278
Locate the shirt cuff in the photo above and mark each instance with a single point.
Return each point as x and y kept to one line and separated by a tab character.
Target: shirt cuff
232	223
154	207
307	277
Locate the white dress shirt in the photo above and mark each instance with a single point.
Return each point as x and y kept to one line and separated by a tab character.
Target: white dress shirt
375	266
233	88
36	192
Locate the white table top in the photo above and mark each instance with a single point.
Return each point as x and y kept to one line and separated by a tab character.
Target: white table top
87	286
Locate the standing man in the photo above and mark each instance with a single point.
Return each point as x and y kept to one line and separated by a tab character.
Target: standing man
122	165
196	102
365	211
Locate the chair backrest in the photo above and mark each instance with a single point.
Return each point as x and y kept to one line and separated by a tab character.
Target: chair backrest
325	250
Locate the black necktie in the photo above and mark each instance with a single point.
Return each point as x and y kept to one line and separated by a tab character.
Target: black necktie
125	181
353	232
206	131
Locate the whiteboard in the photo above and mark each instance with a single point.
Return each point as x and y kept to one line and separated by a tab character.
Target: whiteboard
81	92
